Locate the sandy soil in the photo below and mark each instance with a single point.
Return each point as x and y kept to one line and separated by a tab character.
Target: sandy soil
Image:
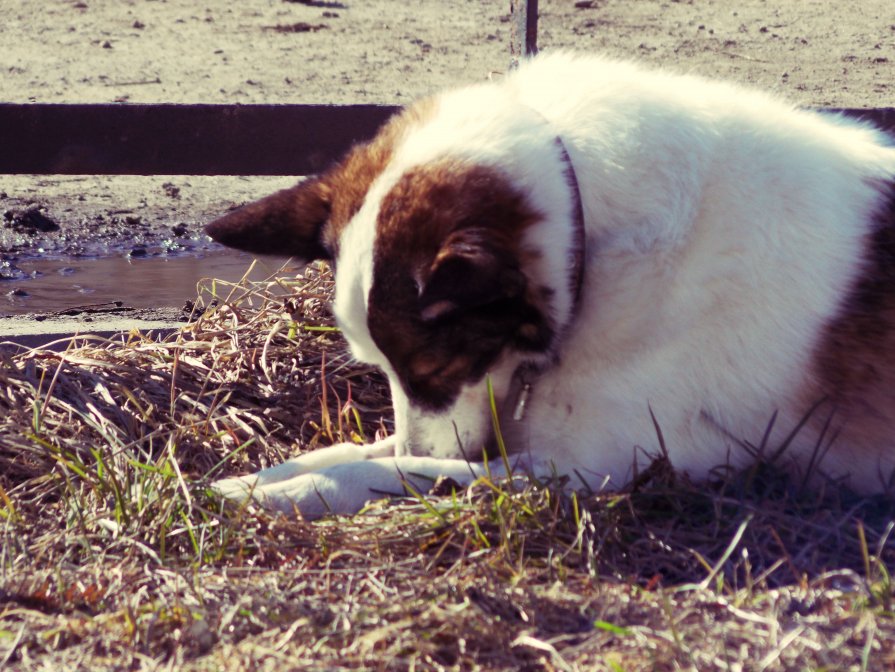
321	51
386	51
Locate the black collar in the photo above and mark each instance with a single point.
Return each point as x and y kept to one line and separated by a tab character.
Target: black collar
526	374
579	238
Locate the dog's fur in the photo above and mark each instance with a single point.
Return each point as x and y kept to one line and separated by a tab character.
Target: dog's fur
738	261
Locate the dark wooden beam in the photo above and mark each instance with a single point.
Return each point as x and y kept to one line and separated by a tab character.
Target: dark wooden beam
125	139
882	117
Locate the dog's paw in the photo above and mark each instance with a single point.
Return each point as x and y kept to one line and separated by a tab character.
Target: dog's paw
312	496
237	488
284	488
343	489
334	490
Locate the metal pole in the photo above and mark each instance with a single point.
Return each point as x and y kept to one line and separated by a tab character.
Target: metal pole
523	30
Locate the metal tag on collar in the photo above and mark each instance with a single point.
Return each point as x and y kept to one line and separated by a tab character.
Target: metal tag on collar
523	380
522	401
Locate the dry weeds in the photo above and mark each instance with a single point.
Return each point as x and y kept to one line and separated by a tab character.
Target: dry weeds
115	555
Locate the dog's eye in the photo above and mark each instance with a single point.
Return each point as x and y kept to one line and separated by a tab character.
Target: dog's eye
425	366
437	310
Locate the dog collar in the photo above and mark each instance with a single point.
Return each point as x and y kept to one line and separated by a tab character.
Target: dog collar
579	239
525	375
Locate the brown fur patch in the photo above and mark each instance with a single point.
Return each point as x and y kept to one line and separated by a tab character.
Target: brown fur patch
349	181
855	362
307	220
285	223
448	291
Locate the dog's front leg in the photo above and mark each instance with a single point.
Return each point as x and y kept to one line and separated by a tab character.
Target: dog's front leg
345	488
240	487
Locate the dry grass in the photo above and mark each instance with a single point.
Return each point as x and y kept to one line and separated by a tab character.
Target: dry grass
115	555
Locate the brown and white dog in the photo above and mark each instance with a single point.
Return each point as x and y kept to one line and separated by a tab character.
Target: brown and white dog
597	240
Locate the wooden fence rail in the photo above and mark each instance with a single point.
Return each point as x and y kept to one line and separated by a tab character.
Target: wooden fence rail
125	139
167	139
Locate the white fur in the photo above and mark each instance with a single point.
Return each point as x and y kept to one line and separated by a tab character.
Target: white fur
723	227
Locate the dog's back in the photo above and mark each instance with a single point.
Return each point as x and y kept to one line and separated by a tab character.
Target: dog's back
640	241
741	264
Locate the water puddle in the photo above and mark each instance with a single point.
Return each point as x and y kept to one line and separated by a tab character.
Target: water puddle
54	286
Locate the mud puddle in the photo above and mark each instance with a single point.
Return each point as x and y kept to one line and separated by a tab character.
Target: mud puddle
55	286
102	243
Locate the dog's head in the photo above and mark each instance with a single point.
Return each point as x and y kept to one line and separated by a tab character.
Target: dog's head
445	276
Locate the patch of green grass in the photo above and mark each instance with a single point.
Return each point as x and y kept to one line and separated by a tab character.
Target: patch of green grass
116	555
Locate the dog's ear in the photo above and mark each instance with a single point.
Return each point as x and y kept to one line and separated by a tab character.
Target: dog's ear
287	223
475	267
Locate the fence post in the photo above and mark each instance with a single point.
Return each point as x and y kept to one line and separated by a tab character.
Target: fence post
523	30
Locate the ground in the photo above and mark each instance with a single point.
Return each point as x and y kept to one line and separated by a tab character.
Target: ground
327	51
115	555
320	51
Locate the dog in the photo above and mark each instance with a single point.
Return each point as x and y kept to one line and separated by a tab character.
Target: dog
592	246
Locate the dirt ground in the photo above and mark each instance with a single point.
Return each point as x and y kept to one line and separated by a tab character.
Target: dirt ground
150	576
383	51
388	51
